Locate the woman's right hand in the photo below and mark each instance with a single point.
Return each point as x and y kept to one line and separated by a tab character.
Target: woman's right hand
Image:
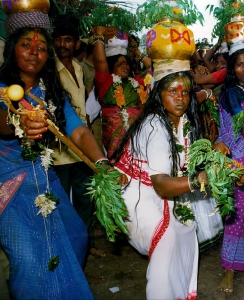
33	129
203	178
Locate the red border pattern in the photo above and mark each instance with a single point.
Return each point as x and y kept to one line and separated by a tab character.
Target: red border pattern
8	189
160	229
132	167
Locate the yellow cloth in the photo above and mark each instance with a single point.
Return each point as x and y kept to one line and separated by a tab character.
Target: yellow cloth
66	156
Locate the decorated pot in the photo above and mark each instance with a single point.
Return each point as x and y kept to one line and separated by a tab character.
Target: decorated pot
15	6
234	30
170	40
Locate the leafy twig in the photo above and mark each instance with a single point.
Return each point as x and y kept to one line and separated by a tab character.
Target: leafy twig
111	210
221	175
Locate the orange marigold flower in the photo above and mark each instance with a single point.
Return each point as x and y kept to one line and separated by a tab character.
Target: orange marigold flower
142	94
119	96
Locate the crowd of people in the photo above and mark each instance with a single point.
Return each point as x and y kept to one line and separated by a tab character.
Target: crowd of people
105	98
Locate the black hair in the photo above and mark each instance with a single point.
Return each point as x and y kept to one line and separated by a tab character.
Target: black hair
112	60
135	38
153	107
225	56
230	77
10	74
66	25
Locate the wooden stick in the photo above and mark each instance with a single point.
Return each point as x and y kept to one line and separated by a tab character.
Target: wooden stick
54	129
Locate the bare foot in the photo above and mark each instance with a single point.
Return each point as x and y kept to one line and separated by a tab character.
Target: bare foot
96	252
226	284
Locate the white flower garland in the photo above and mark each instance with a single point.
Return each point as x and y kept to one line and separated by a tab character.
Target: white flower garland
184	207
118	81
15	120
125	116
46	205
46	158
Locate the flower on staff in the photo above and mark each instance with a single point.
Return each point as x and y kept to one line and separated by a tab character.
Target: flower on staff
18	130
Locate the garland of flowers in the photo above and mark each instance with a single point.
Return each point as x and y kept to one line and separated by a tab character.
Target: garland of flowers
183	210
119	92
32	149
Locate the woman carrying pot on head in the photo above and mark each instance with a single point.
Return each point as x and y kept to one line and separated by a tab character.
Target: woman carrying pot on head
157	191
121	96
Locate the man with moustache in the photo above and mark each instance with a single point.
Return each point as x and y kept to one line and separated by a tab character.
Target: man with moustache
74	174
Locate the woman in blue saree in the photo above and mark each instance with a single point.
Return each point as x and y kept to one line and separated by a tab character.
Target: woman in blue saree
46	246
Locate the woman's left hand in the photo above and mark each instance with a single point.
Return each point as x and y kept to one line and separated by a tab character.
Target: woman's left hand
122	179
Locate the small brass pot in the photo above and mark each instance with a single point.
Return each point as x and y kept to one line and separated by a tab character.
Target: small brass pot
11	6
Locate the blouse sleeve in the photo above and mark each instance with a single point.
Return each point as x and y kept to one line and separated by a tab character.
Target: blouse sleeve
103	82
157	149
72	120
232	101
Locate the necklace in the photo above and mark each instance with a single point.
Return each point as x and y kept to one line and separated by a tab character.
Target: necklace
31	150
183	210
119	91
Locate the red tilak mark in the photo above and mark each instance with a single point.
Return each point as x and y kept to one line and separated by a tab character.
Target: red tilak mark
35	38
180	87
34	41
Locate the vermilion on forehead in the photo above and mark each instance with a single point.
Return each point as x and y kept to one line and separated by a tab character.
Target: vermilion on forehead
34	35
178	85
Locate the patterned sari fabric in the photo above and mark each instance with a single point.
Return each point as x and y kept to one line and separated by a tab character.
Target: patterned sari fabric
30	241
116	120
232	255
172	247
114	126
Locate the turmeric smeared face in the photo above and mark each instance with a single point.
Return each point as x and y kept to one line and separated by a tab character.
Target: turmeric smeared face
31	53
176	98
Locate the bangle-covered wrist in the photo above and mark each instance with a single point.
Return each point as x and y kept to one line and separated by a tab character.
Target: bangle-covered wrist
104	161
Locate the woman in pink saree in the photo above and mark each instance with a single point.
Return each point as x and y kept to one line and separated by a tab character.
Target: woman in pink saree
121	96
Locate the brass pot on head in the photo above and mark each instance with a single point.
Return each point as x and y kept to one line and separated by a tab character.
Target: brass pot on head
234	30
16	6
